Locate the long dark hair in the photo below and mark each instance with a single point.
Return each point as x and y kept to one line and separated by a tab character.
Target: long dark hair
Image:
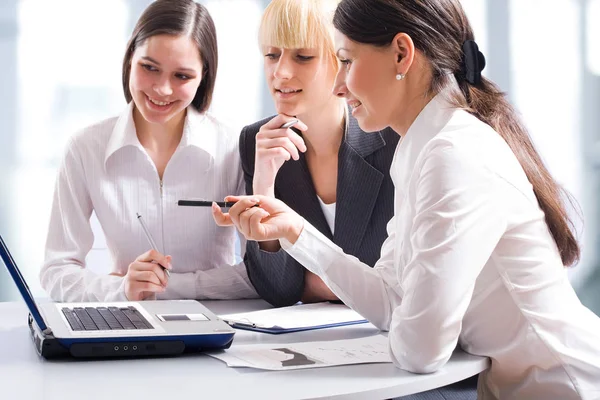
438	29
178	17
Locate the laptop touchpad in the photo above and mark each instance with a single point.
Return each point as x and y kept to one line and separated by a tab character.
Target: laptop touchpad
181	317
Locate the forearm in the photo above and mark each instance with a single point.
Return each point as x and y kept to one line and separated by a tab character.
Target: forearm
359	286
73	283
224	283
315	290
265	187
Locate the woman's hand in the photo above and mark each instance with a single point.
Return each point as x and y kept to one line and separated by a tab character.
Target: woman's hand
271	219
274	146
146	277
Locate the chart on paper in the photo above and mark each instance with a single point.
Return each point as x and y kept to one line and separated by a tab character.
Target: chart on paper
372	349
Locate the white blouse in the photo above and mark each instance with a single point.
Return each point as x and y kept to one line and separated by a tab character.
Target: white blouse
329	213
107	170
469	260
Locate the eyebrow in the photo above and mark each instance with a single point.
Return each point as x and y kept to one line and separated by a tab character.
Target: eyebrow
337	53
152	60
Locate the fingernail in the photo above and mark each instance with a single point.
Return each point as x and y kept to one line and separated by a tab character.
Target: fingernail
169	266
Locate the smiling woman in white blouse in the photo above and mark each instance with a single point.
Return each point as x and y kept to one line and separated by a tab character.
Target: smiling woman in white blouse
165	146
479	239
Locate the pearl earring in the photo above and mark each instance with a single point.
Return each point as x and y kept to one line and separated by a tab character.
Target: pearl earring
399	77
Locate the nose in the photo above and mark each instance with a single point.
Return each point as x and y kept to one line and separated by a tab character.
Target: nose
163	87
283	69
339	86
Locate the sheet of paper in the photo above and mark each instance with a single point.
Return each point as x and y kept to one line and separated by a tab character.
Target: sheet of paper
372	349
299	316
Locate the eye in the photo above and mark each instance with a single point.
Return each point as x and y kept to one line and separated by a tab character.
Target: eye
183	77
345	61
149	67
304	58
271	56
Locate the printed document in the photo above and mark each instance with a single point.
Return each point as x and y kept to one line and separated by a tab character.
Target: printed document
278	357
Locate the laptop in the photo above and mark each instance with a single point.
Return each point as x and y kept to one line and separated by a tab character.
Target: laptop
119	329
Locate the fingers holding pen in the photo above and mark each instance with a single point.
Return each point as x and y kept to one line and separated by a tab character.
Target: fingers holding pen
145	276
277	133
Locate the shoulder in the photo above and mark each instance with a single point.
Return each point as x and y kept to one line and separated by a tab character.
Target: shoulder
222	129
467	148
92	139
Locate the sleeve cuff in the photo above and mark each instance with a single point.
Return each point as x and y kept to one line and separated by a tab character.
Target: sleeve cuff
119	293
312	249
288	246
180	286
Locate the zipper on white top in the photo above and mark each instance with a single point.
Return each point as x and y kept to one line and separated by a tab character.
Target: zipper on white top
161	188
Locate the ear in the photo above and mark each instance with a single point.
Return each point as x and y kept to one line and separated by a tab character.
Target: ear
404	52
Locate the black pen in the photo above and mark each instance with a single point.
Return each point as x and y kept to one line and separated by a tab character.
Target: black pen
226	204
207	203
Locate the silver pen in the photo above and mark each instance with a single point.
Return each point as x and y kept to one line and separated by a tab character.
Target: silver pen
150	240
289	124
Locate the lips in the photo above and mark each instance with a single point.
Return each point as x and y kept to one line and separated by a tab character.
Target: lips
288	90
158	105
354	103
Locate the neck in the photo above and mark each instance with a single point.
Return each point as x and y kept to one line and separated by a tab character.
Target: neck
414	100
159	138
326	128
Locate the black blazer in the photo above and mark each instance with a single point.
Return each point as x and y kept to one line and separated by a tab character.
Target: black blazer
364	205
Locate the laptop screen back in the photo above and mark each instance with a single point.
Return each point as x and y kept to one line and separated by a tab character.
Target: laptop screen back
21	284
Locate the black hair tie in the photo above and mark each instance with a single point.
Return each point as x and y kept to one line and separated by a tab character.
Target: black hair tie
473	62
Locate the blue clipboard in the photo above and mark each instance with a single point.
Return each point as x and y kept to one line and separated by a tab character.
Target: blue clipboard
276	330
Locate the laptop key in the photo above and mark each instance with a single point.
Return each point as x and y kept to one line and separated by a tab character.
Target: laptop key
135	320
85	319
122	318
72	320
97	318
109	318
141	317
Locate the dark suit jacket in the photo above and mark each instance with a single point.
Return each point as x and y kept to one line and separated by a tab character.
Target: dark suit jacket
364	205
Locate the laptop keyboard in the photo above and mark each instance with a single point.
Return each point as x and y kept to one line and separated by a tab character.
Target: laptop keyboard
105	318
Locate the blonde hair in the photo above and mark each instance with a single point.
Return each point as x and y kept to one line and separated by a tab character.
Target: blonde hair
299	24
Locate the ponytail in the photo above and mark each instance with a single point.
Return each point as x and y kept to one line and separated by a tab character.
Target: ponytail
486	102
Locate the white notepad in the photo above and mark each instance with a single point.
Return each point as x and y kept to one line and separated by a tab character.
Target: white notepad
296	318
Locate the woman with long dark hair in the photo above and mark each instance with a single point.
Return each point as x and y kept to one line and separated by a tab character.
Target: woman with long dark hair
480	236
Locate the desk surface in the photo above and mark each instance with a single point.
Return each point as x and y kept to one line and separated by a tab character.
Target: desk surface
24	375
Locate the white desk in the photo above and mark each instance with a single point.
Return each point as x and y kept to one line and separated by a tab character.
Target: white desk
24	375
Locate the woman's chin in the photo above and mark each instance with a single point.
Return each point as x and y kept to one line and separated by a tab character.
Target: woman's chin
160	118
368	124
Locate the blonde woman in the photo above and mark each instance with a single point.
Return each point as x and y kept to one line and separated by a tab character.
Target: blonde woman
328	170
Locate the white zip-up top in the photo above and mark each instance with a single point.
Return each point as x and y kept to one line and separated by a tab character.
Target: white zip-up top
469	260
107	170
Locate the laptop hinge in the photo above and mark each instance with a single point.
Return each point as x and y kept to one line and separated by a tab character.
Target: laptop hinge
47	331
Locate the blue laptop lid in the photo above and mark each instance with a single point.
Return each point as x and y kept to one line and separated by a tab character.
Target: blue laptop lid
21	284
